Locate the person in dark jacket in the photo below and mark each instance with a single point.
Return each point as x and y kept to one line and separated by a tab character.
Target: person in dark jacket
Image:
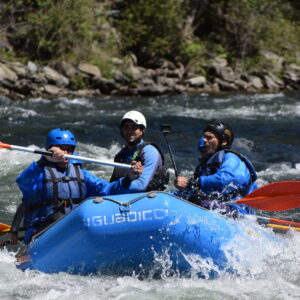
53	185
154	177
222	174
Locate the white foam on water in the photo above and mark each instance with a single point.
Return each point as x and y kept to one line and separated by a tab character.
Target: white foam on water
100	153
258	105
267	270
278	172
39	100
245	112
14	161
22	112
65	103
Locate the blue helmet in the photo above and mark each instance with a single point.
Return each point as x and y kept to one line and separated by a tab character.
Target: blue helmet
60	137
201	143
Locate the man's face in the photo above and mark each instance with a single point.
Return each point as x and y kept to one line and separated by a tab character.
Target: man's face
58	154
68	149
132	133
211	144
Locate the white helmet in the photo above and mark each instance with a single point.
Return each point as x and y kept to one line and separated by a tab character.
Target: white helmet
136	117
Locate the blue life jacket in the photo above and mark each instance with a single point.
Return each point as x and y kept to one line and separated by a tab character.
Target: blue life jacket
210	167
61	186
62	190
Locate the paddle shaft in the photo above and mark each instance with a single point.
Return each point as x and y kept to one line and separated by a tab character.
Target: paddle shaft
165	129
282	227
48	153
277	221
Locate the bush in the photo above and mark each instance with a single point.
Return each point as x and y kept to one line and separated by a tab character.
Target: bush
44	29
245	27
152	28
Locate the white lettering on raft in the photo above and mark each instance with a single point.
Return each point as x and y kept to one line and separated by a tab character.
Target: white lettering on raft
132	216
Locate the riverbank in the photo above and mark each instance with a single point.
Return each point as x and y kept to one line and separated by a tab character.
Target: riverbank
20	81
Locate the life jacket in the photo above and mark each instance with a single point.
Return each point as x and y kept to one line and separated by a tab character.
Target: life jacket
160	177
61	191
212	165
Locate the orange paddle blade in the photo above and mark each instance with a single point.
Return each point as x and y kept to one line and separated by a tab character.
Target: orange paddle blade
4	228
276	196
6	146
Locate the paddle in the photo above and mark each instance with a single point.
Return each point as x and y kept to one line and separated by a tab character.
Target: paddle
4	228
166	129
282	227
277	221
275	196
48	153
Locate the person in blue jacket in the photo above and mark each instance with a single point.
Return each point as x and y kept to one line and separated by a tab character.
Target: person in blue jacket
53	185
154	177
221	175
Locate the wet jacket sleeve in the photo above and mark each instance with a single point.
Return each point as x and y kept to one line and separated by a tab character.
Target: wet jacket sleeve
30	182
233	174
100	187
151	161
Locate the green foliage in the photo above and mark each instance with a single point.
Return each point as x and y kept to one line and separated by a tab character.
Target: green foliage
78	82
282	37
243	27
7	55
152	28
192	48
189	31
48	28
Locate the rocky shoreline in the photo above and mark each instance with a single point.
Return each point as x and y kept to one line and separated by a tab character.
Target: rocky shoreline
22	81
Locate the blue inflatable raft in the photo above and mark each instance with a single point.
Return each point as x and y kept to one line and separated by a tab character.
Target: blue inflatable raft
133	234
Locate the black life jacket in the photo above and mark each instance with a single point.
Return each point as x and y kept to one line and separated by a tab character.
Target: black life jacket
160	177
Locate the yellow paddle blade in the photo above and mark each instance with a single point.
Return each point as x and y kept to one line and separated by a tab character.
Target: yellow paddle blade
4	228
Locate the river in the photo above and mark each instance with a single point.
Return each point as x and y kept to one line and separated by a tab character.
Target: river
267	131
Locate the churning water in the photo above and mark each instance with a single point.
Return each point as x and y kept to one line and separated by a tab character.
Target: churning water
267	131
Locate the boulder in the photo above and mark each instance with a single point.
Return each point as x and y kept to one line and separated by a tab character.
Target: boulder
165	81
106	86
53	77
199	81
90	70
225	86
7	74
270	84
153	90
20	69
51	89
276	61
256	82
67	69
32	68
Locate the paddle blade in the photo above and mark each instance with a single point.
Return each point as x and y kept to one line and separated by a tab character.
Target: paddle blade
4	228
6	146
276	196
